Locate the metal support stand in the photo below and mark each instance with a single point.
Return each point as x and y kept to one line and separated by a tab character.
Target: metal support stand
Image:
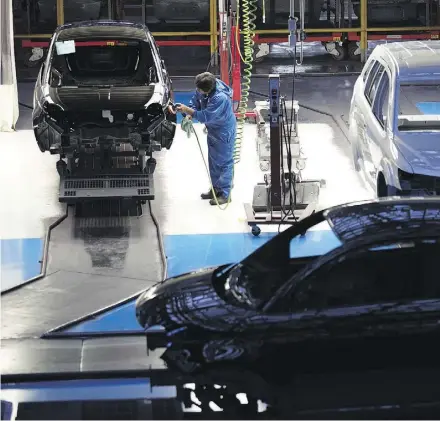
108	173
271	200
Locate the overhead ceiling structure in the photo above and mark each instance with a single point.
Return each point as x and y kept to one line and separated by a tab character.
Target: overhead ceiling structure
8	78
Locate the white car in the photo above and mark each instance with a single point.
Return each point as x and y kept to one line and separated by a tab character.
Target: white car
394	123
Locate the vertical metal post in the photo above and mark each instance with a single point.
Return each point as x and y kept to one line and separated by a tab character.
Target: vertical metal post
144	12
213	27
275	141
28	15
110	9
224	48
364	33
60	12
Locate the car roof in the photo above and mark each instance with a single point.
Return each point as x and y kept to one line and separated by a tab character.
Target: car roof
412	57
102	29
385	219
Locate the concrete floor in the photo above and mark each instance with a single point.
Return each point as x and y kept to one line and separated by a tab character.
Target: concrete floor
82	267
180	176
30	181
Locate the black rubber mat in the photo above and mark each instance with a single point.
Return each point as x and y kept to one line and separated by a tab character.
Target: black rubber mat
93	263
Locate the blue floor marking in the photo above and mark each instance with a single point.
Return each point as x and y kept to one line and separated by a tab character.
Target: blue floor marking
188	252
182	98
20	257
432	108
19	260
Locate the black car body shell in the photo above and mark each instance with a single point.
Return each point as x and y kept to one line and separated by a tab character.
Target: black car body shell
59	111
204	325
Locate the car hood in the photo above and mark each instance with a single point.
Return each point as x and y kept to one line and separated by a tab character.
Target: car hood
186	281
421	150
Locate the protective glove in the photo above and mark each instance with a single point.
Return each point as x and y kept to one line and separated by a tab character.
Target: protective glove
186	126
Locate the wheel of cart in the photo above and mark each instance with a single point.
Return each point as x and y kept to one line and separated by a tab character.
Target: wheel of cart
353	50
256	231
337	50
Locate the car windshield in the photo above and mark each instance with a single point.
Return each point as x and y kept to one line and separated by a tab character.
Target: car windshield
102	61
419	105
257	278
253	282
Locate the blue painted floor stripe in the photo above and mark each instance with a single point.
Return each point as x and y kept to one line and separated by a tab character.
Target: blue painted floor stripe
20	260
20	257
188	252
432	108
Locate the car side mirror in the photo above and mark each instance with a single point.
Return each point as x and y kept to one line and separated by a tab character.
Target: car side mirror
56	78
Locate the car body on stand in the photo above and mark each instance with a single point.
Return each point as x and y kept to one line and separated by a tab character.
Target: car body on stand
375	292
394	121
103	83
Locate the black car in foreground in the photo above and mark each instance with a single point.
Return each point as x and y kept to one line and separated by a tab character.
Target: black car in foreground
103	85
373	302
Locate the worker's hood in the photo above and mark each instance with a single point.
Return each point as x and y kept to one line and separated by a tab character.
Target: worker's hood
222	87
421	150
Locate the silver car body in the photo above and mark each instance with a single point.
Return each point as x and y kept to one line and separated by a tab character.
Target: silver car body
394	121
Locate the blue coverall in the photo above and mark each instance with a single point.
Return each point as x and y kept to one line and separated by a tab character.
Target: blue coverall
216	112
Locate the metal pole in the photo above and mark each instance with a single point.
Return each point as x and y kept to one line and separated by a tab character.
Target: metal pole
60	12
213	29
224	53
275	141
364	29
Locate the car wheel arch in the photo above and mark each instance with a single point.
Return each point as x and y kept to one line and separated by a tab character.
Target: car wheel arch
385	186
381	185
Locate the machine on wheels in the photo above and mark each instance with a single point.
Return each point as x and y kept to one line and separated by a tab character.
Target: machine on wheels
284	197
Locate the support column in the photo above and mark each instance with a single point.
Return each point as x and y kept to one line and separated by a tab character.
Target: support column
364	33
223	44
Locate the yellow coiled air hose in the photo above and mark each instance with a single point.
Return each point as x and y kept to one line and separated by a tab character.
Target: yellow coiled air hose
249	9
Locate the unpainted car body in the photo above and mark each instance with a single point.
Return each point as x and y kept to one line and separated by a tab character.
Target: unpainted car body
353	308
394	122
102	83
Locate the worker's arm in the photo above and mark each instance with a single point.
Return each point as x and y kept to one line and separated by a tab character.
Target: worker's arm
212	112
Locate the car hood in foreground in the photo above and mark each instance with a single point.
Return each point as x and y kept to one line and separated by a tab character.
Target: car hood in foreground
188	300
421	150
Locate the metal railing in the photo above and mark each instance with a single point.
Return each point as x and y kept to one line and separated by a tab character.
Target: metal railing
211	35
359	33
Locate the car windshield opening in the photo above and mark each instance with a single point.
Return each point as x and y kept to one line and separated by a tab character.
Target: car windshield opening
253	287
419	105
104	62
